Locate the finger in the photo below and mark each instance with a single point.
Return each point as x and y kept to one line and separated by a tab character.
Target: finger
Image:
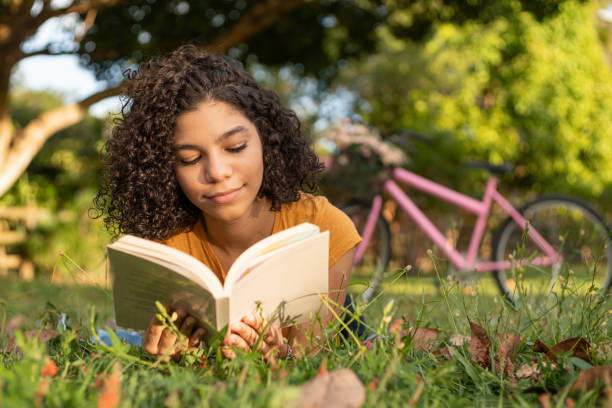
167	340
248	334
239	343
178	316
254	320
187	326
197	336
228	353
152	334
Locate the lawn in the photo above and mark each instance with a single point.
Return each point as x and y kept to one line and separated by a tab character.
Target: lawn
400	369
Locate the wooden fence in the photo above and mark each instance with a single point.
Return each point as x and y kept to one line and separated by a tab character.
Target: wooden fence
15	224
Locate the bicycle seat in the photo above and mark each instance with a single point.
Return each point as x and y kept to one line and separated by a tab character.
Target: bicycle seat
499	169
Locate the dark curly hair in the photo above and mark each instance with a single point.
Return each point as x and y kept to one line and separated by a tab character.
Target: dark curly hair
140	193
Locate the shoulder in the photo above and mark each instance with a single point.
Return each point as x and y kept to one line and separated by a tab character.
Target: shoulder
308	208
319	211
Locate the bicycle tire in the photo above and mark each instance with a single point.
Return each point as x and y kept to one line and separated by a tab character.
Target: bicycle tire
574	228
378	252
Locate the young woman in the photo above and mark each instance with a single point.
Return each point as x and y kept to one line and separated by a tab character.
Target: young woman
207	161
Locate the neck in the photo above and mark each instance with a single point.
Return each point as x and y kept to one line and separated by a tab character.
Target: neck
236	236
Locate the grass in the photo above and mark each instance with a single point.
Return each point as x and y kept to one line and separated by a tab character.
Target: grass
394	371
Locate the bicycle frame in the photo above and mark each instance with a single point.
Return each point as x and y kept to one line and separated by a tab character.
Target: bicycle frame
480	208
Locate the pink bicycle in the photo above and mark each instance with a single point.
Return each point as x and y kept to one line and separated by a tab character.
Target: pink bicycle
549	239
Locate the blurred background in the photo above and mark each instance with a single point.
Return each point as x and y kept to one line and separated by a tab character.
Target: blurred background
521	81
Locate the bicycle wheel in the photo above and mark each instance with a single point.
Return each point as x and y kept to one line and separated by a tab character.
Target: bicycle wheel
577	231
378	251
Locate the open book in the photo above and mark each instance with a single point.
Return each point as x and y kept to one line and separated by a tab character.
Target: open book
283	275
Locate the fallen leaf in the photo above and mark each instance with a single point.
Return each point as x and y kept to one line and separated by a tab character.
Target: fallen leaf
586	379
339	388
540	347
16	322
111	393
527	370
49	369
458	339
509	345
578	345
544	400
422	338
43	336
479	345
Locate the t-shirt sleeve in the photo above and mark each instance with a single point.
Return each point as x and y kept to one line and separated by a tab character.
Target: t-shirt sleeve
342	232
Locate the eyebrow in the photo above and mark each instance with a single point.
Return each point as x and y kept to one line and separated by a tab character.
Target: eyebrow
229	133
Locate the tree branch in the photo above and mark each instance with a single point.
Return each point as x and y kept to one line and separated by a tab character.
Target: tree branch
44	51
260	17
80	8
29	140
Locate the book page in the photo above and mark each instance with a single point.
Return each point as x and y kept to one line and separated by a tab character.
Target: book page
174	259
138	283
295	277
266	248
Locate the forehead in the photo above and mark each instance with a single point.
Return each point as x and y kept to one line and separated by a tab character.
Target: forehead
209	120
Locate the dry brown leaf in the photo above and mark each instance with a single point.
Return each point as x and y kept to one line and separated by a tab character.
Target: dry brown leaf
16	322
586	379
578	345
337	388
540	347
527	370
423	338
479	345
44	336
509	345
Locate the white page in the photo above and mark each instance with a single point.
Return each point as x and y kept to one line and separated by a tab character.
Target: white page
299	279
265	248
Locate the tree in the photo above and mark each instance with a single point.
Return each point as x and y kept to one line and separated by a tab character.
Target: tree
109	35
536	93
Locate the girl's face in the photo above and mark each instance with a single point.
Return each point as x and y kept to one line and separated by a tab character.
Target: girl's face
219	160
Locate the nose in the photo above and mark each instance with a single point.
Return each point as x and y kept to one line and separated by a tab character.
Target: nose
217	168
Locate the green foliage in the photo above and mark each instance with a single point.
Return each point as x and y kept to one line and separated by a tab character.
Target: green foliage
393	367
63	178
537	93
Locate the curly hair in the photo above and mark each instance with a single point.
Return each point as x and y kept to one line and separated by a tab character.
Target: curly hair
139	191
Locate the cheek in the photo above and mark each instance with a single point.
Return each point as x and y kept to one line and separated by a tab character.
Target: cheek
186	180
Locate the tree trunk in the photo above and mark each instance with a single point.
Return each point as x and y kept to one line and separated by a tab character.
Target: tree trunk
29	140
6	124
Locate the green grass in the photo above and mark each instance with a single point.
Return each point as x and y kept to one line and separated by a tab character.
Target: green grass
391	370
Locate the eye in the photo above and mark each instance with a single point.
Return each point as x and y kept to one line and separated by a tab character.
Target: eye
237	148
188	162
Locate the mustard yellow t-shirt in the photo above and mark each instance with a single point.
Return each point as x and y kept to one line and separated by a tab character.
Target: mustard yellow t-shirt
315	210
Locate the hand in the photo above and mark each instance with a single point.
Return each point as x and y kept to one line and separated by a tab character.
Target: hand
161	342
244	335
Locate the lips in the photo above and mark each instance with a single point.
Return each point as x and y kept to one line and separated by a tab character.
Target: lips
224	196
